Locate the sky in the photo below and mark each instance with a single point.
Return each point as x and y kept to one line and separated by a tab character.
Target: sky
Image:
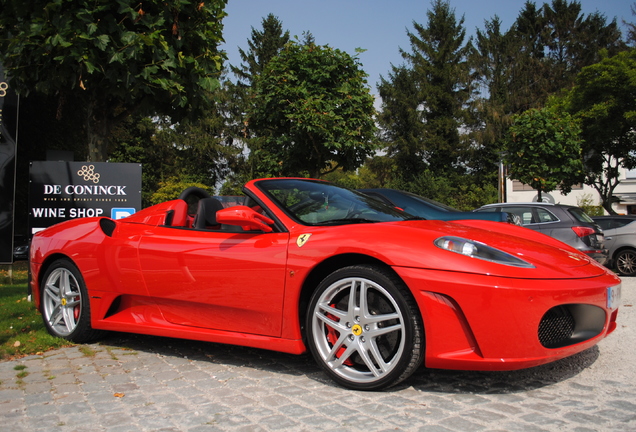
378	26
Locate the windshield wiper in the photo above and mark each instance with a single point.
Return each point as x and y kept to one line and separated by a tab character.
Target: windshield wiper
345	221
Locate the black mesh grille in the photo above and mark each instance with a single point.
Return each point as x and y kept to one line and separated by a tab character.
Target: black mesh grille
556	327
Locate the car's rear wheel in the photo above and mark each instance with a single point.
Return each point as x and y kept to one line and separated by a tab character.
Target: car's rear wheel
65	305
626	262
364	328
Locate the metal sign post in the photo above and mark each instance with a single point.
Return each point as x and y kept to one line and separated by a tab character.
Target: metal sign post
8	143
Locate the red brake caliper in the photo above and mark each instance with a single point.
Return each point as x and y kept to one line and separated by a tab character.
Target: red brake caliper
76	310
332	337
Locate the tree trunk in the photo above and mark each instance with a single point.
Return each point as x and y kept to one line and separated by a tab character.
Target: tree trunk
607	205
98	132
97	148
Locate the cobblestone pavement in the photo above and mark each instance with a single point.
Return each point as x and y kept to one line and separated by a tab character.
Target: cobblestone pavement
139	383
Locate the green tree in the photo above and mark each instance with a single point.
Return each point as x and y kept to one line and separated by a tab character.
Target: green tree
114	58
575	40
544	150
263	46
631	28
527	81
544	50
490	60
134	140
453	189
172	187
424	103
313	112
521	68
199	150
604	99
401	125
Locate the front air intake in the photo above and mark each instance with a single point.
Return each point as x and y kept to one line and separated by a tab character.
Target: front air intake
570	324
556	327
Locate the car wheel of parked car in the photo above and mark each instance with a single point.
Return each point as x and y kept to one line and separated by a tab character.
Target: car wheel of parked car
364	328
626	262
65	305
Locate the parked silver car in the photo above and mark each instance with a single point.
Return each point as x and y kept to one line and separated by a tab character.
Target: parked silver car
567	223
620	239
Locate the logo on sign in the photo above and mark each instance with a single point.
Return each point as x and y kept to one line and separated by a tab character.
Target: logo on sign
88	173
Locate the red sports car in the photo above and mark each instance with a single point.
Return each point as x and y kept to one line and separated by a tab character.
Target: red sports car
303	264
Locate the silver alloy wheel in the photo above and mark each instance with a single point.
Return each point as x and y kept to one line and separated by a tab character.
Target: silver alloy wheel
626	263
62	302
358	330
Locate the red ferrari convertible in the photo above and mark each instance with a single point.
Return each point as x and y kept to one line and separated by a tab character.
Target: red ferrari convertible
303	264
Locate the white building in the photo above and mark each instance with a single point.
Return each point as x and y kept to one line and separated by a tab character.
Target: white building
516	191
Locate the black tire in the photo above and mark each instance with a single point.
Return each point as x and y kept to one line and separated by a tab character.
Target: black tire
64	303
351	340
626	262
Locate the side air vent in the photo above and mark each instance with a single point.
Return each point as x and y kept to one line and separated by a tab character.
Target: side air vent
108	226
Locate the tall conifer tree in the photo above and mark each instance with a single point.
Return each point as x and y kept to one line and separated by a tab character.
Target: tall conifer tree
263	45
425	101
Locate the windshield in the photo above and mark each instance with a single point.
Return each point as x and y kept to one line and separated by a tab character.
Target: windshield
580	215
320	203
429	202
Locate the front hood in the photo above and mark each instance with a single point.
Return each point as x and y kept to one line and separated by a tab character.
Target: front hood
533	247
550	258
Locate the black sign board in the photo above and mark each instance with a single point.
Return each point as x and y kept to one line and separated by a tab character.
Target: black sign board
8	132
61	191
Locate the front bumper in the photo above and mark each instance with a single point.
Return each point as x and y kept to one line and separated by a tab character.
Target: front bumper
479	322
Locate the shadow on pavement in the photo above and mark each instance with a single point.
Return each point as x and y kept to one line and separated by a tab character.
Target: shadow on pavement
426	380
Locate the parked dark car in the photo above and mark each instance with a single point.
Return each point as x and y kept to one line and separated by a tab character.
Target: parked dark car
620	240
432	210
20	248
567	223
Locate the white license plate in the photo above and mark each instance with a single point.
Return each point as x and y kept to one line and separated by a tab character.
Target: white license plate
613	296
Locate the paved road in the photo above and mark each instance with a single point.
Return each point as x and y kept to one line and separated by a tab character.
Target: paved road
138	383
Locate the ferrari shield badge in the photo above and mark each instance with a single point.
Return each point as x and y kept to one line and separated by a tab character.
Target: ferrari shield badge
302	239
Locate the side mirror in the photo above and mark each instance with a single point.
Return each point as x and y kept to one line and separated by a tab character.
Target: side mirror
244	217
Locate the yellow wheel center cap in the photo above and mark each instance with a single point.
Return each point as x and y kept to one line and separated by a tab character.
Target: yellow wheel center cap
63	302
356	330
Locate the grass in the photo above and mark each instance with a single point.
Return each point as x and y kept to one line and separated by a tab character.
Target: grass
22	331
87	351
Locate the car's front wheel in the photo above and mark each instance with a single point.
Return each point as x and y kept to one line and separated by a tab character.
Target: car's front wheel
364	328
626	262
65	305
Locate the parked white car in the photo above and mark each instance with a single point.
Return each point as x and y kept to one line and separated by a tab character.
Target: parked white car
620	240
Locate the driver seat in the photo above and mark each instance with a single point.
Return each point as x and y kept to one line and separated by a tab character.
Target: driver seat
205	217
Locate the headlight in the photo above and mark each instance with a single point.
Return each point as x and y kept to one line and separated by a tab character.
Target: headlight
475	249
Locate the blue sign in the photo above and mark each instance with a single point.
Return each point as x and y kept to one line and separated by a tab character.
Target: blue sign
120	213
